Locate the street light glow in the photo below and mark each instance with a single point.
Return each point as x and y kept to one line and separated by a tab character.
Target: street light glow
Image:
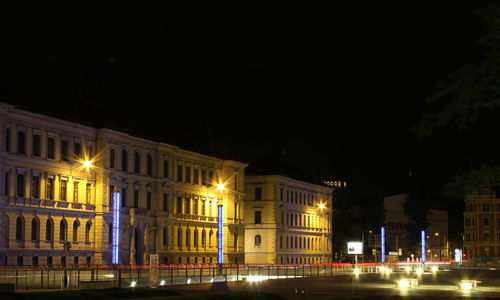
87	164
220	186
321	206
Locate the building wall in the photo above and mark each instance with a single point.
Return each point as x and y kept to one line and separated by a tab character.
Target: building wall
169	202
482	224
293	229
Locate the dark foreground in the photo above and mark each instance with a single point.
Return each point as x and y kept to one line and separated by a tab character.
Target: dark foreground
442	285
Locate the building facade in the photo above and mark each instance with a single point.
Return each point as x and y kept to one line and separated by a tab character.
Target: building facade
59	183
287	221
482	225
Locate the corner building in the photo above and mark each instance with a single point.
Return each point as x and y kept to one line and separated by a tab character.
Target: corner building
287	221
56	211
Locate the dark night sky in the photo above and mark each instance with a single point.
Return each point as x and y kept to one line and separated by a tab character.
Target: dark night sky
309	88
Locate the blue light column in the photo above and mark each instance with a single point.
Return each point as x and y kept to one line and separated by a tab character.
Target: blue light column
382	244
116	226
220	249
423	245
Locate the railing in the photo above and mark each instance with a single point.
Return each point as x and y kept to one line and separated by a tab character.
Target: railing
74	277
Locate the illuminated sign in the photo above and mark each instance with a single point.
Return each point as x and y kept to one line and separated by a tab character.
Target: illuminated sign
220	253
382	243
458	256
354	248
423	246
116	227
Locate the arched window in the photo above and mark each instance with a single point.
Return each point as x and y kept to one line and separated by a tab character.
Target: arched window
124	160
188	237
195	237
179	237
34	229
203	237
164	236
210	234
76	224
258	241
137	162
63	226
88	226
49	228
19	228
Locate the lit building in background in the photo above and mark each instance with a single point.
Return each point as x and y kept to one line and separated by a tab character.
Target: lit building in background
287	221
482	226
58	184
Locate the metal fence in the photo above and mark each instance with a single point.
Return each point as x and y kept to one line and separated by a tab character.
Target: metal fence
75	277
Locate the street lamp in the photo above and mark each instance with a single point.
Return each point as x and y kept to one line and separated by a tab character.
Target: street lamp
220	221
321	206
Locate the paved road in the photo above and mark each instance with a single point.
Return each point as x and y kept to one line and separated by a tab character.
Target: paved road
442	284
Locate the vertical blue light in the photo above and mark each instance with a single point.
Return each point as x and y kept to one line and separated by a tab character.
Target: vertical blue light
116	226
220	249
382	244
423	246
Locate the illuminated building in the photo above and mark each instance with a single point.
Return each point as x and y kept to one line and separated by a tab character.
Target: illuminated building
57	209
482	226
287	221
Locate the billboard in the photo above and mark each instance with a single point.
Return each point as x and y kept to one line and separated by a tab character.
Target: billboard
354	248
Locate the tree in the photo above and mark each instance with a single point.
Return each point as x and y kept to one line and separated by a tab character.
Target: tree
472	93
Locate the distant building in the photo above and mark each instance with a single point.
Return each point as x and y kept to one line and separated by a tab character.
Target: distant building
287	221
397	234
482	225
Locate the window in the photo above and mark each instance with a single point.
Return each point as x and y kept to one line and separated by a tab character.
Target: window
88	193
112	158
124	197
7	139
50	148
63	190
165	201
6	183
19	261
136	198
88	226
75	260
76	224
149	165
486	207
179	237
195	237
49	261
35	187
36	145
64	150
63	226
20	185
203	237
187	206
195	206
486	221
235	241
258	217
165	168
48	230
76	184
196	180
203	207
188	174
34	229
137	162
148	200
179	205
124	160
258	193
21	142
179	173
203	177
111	194
35	261
486	236
164	236
281	194
19	228
77	150
257	241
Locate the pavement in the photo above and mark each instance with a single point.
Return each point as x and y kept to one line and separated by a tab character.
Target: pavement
439	285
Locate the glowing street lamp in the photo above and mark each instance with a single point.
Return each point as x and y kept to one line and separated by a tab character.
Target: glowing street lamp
87	164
